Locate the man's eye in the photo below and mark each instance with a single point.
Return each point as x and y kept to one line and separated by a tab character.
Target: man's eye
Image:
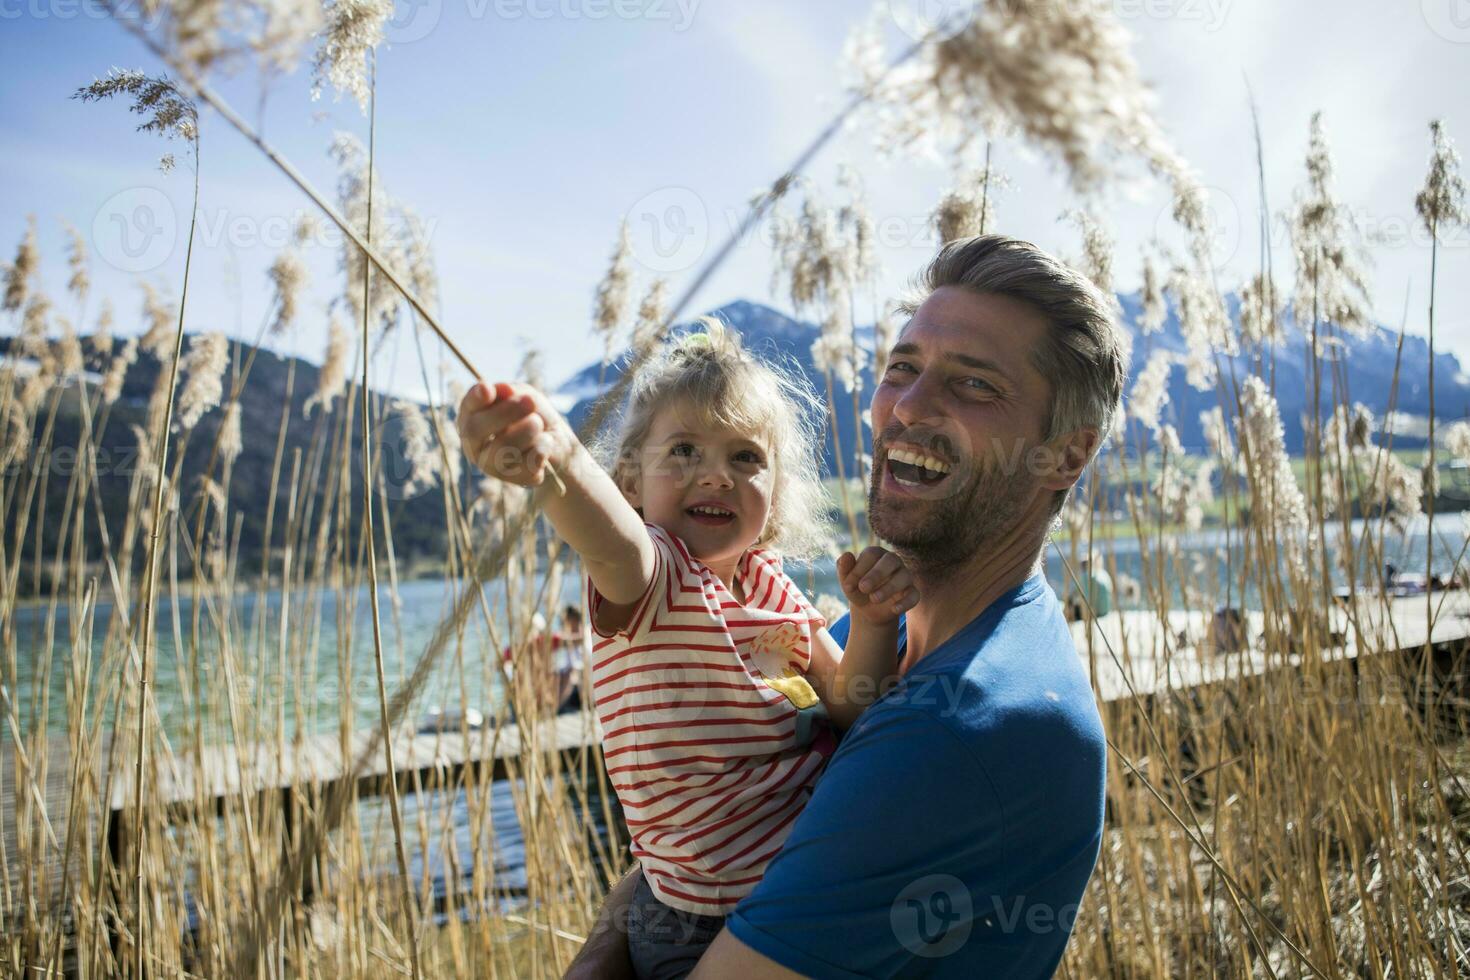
979	384
900	366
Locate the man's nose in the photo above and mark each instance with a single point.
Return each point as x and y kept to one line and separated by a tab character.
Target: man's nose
918	401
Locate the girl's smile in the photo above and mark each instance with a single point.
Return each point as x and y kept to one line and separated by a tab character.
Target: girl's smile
711	487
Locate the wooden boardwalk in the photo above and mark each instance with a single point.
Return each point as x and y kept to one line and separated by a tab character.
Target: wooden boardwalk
1148	655
1153	656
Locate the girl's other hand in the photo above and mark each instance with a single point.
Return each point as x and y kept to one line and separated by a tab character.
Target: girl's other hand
878	586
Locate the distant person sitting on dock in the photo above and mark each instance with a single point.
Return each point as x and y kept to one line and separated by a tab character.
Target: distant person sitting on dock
1096	585
712	674
956	826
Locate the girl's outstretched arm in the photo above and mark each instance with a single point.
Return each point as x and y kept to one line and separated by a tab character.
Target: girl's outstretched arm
512	433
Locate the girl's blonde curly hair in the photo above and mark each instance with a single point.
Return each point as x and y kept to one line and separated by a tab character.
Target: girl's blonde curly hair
711	374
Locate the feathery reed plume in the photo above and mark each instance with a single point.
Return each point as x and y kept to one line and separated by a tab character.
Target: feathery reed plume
288	276
1258	321
102	338
117	370
1151	389
354	27
1155	307
652	313
166	111
1394	486
418	257
158	319
1059	74
1097	250
332	380
834	352
1203	322
282	30
353	188
1457	441
230	443
860	233
80	280
420	451
1330	284
68	350
610	304
1217	432
19	273
205	363
34	325
1276	497
1441	202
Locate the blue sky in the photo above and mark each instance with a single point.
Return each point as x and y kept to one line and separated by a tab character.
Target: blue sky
523	131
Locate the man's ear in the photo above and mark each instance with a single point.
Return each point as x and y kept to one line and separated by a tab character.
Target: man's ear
1069	454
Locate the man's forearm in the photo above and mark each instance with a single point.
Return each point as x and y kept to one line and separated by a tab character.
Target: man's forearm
604	956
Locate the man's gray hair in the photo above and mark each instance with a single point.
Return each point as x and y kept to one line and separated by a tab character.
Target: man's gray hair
1083	356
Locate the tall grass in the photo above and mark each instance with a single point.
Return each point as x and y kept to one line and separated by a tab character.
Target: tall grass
1273	810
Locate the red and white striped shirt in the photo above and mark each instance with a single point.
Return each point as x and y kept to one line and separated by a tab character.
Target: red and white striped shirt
706	757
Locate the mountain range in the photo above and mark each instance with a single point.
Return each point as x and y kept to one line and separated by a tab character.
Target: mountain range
1369	373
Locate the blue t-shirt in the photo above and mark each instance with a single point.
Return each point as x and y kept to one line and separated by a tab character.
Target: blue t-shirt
956	826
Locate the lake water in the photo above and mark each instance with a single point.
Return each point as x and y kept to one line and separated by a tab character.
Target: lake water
312	694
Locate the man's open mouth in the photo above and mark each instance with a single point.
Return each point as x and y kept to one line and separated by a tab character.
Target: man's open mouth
916	469
711	514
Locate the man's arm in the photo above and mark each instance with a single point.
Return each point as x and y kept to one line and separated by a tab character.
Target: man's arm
729	959
604	956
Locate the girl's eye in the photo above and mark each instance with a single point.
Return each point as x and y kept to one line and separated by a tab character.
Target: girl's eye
749	456
681	449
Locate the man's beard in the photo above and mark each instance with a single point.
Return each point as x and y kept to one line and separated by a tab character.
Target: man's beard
939	534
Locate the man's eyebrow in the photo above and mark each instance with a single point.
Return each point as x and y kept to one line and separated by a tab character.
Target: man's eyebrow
978	363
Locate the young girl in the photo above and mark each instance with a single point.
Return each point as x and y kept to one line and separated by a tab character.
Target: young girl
713	676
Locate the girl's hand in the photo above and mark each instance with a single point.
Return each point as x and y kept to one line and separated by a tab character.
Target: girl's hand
877	584
511	432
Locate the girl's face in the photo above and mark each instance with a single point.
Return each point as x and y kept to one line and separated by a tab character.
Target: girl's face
711	487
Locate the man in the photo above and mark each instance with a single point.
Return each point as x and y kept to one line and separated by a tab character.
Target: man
955	828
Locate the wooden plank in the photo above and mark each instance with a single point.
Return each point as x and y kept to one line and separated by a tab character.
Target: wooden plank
227	771
1153	655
